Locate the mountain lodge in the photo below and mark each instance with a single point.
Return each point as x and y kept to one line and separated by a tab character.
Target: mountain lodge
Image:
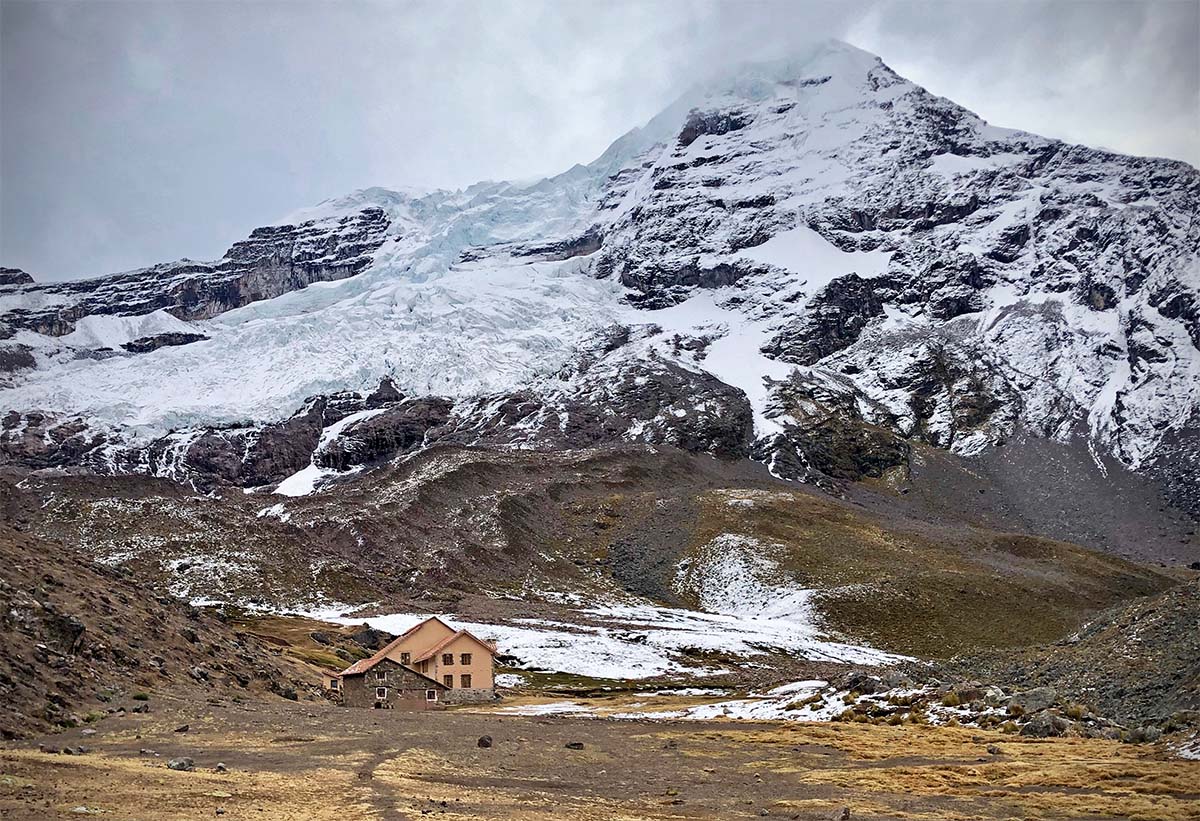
429	665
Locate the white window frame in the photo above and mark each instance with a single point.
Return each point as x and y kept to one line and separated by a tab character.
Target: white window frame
381	696
431	695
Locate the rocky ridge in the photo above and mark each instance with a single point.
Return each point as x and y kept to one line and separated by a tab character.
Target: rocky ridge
81	641
271	261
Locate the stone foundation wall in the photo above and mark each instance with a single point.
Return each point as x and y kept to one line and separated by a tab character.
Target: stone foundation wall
470	695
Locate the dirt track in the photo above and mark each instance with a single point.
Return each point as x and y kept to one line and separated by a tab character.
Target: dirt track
297	761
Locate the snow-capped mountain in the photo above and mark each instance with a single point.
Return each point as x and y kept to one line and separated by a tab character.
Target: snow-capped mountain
814	263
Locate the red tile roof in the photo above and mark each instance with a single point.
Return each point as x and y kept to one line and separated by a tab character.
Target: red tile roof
363	665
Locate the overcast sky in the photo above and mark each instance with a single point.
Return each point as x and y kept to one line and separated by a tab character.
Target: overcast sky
134	133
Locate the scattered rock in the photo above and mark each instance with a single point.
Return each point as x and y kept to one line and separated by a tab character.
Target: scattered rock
842	815
994	750
184	764
1045	725
574	745
87	731
220	768
993	695
183	728
1033	701
485	741
1146	734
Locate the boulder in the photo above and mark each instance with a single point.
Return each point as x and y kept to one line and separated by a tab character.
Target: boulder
1044	725
1032	701
183	764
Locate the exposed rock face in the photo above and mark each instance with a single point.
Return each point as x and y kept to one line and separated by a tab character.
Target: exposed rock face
39	441
152	343
395	430
834	319
272	261
825	438
16	358
715	123
14	276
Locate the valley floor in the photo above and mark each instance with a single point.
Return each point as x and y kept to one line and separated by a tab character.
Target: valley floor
316	761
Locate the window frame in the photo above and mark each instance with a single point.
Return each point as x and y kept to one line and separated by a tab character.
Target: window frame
406	658
464	681
381	675
464	659
383	696
448	680
447	659
431	695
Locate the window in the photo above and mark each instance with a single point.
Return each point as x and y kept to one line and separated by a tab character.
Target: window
381	675
405	658
464	680
423	666
381	693
448	680
431	695
447	659
464	658
333	684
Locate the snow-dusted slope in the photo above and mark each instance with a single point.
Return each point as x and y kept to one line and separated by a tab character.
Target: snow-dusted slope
804	256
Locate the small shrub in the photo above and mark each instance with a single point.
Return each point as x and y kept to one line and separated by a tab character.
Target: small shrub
951	699
141	696
1076	711
1009	727
812	702
94	716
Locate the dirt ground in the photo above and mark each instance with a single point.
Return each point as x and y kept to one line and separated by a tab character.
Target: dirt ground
313	762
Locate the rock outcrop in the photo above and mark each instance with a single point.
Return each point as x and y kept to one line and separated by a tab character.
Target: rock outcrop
271	261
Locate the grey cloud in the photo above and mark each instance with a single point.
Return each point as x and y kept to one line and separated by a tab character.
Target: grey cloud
132	133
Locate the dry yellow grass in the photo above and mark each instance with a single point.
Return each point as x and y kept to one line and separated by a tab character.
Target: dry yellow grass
291	762
1033	778
422	780
138	789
